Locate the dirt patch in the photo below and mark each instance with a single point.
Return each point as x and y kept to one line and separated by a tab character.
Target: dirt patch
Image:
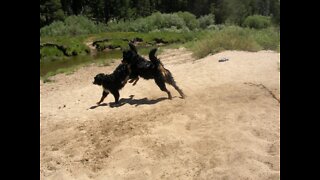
224	129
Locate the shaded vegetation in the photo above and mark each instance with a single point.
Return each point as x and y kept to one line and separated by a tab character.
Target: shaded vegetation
235	38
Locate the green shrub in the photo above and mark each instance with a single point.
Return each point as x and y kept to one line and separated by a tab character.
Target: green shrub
55	28
73	45
205	21
52	52
189	19
72	26
181	21
268	38
235	38
257	22
167	21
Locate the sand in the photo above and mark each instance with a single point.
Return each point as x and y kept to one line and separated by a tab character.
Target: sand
227	128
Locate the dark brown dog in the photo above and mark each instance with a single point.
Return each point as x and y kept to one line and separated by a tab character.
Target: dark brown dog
152	69
114	82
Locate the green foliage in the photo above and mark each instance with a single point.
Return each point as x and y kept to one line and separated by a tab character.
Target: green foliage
268	38
189	19
205	21
156	21
235	38
50	10
55	28
51	52
72	26
231	11
116	39
257	22
74	46
168	21
275	12
237	11
175	22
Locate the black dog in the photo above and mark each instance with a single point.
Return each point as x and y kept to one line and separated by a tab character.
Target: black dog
114	82
153	69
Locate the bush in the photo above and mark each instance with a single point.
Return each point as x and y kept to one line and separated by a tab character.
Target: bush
73	45
52	52
268	38
236	38
182	21
206	21
189	19
257	22
55	28
72	26
167	21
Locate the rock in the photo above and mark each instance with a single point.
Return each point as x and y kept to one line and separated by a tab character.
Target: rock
223	59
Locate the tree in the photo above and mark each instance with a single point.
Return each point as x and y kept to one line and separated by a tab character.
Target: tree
275	11
50	10
221	11
233	11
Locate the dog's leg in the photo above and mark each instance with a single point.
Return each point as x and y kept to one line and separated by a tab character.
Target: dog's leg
135	82
179	90
124	81
162	86
104	95
133	79
169	79
116	96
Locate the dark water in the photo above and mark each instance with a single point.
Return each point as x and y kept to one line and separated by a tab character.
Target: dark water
53	65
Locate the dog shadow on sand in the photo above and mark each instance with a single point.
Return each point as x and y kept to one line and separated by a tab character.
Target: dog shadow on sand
131	101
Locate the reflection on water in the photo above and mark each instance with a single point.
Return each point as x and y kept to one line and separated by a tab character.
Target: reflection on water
52	66
67	62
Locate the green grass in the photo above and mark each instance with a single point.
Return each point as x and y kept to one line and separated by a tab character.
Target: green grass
116	38
201	43
72	26
235	38
267	38
74	46
50	52
68	65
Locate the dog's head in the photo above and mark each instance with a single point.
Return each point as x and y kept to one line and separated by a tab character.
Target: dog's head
98	79
130	56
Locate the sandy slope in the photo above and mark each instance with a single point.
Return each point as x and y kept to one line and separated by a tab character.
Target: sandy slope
227	128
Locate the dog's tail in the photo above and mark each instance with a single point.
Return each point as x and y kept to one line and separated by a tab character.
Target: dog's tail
153	57
165	73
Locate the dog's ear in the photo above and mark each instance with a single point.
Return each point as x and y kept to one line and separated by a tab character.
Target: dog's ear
133	48
100	75
152	53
